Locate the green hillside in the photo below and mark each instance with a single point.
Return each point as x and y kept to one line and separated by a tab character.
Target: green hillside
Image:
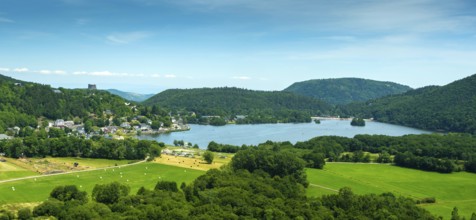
258	106
131	96
346	90
22	103
445	108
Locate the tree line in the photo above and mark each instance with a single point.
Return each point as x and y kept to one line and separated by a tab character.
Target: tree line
432	152
40	145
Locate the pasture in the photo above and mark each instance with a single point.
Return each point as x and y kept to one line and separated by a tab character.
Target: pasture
450	190
143	174
9	170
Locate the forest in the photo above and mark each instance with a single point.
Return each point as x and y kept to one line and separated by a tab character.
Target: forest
227	103
343	91
269	185
438	108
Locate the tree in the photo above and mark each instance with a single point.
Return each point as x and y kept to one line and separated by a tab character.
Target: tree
166	186
454	214
69	193
24	214
208	156
109	193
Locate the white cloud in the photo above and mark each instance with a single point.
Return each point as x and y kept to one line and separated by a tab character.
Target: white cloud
241	77
155	75
126	38
5	20
107	74
48	72
21	70
4	69
170	76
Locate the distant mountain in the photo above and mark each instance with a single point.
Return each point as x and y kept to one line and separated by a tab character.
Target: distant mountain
259	106
447	108
346	90
136	97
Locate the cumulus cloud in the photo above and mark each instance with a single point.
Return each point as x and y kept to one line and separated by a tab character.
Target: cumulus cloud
155	75
4	69
126	38
170	76
241	77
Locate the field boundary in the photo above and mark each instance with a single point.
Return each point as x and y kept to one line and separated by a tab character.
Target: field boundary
323	187
70	172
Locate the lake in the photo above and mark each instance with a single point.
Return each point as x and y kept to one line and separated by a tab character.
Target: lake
259	133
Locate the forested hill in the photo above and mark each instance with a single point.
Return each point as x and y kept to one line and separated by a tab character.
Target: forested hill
448	108
233	101
136	97
21	103
346	90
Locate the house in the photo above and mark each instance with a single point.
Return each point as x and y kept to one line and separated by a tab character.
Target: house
57	91
125	125
145	127
59	123
240	117
5	137
69	124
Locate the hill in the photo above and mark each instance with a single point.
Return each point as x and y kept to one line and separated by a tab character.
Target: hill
446	108
131	96
258	106
22	103
346	90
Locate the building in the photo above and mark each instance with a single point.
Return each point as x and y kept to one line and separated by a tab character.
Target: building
92	86
59	123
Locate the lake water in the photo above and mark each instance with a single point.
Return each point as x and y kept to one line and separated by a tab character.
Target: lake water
256	134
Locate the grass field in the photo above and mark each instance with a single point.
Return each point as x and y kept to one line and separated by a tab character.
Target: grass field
144	174
194	163
9	170
450	190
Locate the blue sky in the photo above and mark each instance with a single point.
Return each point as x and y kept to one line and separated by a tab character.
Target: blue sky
147	46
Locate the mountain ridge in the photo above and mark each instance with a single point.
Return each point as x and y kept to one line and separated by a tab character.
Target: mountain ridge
339	91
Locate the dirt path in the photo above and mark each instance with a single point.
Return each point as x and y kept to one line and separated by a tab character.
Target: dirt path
70	172
323	187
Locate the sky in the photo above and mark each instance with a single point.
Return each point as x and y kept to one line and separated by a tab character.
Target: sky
147	46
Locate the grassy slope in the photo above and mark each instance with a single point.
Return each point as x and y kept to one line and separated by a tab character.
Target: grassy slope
145	174
450	190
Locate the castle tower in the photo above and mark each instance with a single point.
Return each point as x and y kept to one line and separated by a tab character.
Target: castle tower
92	86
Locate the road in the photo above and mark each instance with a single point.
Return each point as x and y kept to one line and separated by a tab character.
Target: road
79	171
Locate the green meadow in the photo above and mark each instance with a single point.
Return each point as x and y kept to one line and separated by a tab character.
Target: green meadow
450	190
143	174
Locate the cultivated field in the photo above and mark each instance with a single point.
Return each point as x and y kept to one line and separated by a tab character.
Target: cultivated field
144	174
450	190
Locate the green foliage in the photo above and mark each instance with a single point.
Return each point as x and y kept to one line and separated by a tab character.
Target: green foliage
357	122
346	90
69	193
446	108
25	214
42	101
109	193
258	106
274	163
166	186
208	156
98	147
